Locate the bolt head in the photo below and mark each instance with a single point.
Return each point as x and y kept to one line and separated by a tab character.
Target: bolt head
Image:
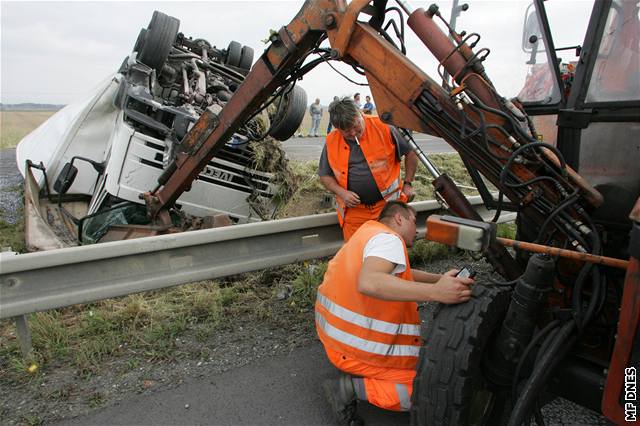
330	21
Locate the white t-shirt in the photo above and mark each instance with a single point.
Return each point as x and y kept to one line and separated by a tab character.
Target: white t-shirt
388	247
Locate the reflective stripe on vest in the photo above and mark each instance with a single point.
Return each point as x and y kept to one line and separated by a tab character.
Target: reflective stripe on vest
363	344
366	322
340	210
391	192
404	397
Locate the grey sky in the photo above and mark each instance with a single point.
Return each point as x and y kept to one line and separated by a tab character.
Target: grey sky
54	52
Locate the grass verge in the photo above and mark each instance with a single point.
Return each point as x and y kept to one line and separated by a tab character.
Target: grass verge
146	327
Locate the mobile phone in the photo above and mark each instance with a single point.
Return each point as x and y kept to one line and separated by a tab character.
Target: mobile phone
466	272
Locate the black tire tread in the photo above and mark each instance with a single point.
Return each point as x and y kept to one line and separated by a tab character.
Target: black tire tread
158	41
246	58
140	40
234	54
451	357
291	117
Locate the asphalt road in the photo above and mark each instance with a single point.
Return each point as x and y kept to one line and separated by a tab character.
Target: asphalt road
310	148
283	390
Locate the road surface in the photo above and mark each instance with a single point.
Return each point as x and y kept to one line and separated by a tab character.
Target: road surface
284	390
280	390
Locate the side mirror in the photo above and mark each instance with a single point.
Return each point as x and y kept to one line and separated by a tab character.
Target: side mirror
531	32
65	178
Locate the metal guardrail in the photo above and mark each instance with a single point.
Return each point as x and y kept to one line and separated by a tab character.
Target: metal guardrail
57	278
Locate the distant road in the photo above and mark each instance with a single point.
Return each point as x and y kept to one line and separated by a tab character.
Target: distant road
303	149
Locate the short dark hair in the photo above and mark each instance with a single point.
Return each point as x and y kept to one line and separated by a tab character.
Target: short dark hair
343	113
392	207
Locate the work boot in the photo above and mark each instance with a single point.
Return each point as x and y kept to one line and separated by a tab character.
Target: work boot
341	396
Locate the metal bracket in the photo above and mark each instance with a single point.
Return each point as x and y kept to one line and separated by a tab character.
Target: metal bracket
575	119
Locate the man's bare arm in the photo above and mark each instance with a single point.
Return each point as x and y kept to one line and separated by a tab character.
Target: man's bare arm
425	277
376	280
410	166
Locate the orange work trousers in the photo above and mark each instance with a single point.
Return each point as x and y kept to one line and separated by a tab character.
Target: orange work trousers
354	217
388	388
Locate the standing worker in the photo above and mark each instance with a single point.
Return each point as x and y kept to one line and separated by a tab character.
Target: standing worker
360	165
367	315
368	107
315	109
330	126
356	99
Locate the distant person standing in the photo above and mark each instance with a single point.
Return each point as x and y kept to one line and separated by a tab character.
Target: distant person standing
330	126
356	99
315	109
368	107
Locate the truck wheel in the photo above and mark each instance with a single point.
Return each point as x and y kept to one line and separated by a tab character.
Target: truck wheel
234	54
246	58
158	40
289	114
449	388
140	40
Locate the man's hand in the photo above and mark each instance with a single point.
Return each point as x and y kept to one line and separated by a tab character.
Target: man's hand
451	289
350	198
409	192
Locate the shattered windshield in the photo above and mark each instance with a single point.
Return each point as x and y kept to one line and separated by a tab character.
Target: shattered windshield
95	226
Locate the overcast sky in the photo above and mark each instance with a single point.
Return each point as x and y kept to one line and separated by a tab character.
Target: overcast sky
56	52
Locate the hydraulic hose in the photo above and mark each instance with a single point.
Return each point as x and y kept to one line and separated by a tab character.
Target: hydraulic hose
563	341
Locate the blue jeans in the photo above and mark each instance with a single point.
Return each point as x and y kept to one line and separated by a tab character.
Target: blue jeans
315	123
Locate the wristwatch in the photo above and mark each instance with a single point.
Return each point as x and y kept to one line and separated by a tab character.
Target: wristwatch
408	183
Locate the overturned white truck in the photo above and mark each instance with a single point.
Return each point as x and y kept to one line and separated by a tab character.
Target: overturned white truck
104	151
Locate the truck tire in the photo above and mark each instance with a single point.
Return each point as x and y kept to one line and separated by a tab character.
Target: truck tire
246	58
449	388
234	54
158	40
289	114
140	40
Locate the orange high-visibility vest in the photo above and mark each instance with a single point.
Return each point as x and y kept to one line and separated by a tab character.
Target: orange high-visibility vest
377	332
379	151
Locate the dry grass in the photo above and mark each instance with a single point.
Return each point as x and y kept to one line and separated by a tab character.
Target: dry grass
15	125
144	327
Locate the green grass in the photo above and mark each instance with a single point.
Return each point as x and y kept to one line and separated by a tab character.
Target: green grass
506	230
12	235
144	327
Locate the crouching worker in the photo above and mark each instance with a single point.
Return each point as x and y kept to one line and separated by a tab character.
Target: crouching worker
367	317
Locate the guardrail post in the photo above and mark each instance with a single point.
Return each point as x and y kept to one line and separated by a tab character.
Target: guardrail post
24	336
